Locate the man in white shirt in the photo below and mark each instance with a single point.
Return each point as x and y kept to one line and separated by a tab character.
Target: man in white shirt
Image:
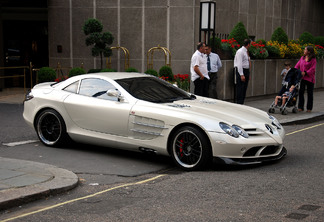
242	71
213	65
199	72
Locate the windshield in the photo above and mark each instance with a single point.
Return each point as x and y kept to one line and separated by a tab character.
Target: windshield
153	89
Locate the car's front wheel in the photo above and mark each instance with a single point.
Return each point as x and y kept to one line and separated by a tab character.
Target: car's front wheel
50	128
190	148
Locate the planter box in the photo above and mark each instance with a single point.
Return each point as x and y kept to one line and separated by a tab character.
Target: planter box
265	77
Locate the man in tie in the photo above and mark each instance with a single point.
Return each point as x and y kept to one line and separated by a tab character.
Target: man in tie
242	71
199	72
213	65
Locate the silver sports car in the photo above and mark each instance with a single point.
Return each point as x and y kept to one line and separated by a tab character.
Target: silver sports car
144	113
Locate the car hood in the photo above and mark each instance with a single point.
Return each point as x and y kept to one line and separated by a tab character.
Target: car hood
230	113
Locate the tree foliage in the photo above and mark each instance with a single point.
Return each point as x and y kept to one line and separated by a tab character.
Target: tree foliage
93	30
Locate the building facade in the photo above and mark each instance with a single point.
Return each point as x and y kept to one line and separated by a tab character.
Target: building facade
139	25
52	30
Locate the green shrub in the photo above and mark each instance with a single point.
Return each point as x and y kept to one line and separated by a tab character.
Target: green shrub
257	52
46	74
94	70
131	69
273	51
262	41
306	38
166	73
319	40
226	47
108	70
76	71
280	36
183	81
228	52
152	72
293	41
320	54
239	33
215	43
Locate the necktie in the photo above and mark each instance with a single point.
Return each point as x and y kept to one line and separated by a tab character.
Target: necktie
208	63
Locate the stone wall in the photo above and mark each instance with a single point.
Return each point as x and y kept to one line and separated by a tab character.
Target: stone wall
265	78
140	25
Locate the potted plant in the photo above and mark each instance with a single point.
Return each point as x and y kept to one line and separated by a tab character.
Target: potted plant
46	74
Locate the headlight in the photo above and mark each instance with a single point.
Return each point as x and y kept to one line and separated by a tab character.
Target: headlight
229	130
240	131
275	122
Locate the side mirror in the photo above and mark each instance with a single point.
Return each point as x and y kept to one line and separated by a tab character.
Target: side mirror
115	93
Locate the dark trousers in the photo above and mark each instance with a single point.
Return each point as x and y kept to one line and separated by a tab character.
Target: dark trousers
241	87
310	96
213	85
201	87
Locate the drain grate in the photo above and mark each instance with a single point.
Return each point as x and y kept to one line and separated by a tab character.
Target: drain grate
297	216
309	207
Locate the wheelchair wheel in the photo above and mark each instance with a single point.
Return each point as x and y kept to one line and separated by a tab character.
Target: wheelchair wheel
284	112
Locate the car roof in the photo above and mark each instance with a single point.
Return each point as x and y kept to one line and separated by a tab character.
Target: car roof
108	75
119	75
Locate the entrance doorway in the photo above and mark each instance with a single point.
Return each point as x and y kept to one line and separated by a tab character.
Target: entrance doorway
24	42
23	39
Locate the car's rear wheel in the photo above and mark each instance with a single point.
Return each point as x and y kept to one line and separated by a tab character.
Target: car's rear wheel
190	148
50	128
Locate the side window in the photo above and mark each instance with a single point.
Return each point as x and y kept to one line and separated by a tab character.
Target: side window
72	87
96	88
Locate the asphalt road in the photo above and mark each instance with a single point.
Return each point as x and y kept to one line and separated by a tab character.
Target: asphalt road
126	186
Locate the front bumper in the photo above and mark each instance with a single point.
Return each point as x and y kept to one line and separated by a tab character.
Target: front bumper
250	161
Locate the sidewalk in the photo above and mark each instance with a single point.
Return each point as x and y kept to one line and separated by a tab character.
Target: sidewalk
22	181
264	103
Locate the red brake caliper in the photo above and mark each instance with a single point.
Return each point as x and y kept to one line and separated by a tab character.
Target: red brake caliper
181	150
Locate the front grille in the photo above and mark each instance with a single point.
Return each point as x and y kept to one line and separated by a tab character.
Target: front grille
261	151
252	151
269	150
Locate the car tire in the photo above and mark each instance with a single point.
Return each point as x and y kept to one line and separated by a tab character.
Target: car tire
50	128
190	148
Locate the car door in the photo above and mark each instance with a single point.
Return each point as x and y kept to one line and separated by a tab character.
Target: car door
92	109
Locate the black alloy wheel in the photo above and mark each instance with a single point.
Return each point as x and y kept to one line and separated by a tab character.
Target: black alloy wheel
51	128
190	148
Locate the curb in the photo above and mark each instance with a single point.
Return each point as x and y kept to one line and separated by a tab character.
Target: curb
62	181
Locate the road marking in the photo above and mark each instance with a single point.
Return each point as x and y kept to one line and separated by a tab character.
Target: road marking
298	131
85	197
19	143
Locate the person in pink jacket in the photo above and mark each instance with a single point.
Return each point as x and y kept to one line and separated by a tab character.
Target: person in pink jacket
307	65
